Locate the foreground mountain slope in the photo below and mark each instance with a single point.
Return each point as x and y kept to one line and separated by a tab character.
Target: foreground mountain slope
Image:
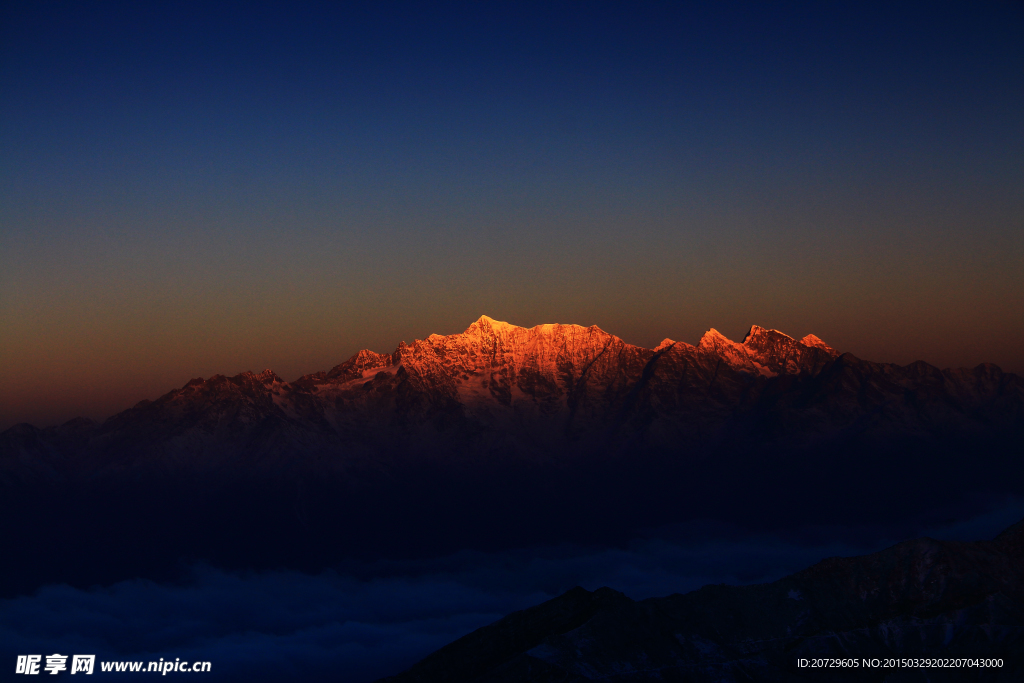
920	598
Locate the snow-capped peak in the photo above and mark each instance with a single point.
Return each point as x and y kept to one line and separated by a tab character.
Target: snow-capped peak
713	337
757	330
268	376
486	322
816	342
665	343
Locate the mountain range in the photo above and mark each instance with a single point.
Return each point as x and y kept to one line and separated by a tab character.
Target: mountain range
505	436
563	383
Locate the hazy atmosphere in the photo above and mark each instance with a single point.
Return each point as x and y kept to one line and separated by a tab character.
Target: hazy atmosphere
187	191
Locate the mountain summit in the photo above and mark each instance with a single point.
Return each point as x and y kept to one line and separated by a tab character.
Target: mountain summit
553	365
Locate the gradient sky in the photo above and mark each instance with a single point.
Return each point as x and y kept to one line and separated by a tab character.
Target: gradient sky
187	191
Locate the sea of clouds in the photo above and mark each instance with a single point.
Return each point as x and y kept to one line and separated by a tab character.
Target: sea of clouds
360	621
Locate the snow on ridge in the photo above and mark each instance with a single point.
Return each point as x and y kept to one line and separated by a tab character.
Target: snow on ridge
757	329
816	342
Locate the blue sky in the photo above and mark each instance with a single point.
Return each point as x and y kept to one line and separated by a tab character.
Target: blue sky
194	188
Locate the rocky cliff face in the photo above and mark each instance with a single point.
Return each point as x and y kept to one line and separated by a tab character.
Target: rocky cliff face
919	599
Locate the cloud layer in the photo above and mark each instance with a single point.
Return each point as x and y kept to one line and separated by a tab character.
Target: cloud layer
366	620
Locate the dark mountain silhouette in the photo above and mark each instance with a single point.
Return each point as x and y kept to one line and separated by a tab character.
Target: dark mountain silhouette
918	599
504	436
